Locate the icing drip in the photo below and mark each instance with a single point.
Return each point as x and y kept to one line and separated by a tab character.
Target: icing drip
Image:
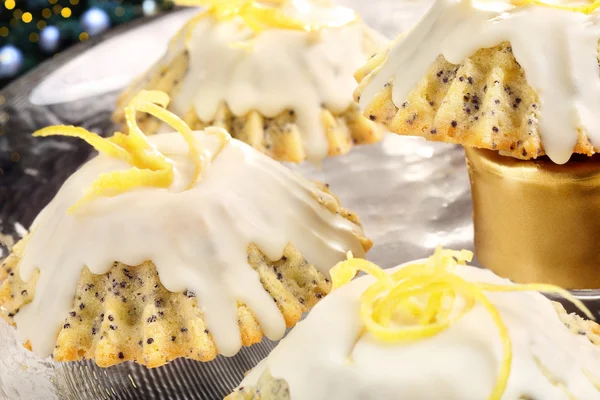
272	71
332	355
556	48
197	238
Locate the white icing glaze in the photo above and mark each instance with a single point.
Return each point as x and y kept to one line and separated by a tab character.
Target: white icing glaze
461	363
275	70
197	239
556	48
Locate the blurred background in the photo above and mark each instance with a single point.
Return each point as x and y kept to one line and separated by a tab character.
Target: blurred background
32	31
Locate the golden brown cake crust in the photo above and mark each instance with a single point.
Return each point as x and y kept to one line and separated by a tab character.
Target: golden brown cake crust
485	102
127	314
278	137
269	388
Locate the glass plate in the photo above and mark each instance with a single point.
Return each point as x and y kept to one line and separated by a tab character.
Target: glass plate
410	194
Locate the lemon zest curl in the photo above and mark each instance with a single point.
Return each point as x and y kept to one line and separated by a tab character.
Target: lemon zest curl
585	9
260	15
150	168
426	293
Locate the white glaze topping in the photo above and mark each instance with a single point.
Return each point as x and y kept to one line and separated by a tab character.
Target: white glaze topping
321	358
197	238
557	49
274	70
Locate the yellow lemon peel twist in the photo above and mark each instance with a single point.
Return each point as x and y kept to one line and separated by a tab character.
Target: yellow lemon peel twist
585	9
426	293
150	168
260	15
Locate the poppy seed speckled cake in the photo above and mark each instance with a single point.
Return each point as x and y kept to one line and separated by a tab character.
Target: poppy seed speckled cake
493	75
431	329
516	83
187	244
276	74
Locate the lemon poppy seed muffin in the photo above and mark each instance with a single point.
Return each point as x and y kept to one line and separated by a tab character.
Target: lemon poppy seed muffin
516	83
431	329
204	246
277	75
512	86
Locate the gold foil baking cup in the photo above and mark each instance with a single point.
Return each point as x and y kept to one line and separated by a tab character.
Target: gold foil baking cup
536	221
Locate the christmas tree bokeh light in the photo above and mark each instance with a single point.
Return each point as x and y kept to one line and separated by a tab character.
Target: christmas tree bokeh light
34	30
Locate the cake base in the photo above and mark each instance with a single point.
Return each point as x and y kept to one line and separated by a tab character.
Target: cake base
536	221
